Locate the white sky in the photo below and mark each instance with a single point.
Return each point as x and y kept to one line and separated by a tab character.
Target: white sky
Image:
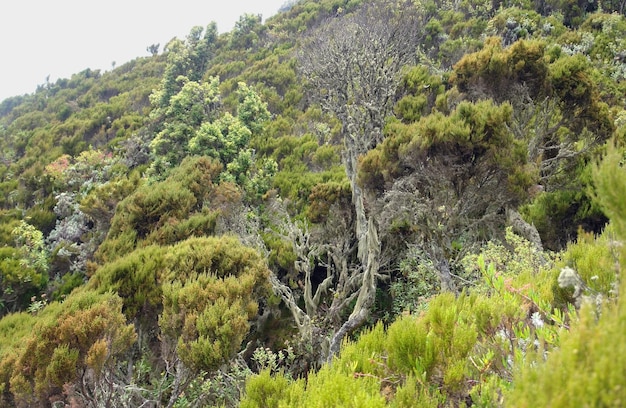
63	37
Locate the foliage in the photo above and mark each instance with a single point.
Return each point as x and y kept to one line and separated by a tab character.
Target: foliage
184	58
595	259
455	349
194	124
30	244
354	65
116	189
163	211
221	388
417	282
443	182
504	344
425	353
558	113
73	344
198	296
583	370
24	268
559	216
209	317
138	276
194	104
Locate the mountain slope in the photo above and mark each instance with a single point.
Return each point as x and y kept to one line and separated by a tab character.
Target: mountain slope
414	176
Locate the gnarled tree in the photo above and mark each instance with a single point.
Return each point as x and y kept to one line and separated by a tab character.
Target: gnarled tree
444	183
558	111
353	64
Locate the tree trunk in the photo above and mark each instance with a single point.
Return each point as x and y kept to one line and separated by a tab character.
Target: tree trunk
368	253
445	277
524	229
367	293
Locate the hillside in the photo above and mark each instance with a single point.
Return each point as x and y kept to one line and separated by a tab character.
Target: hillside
351	204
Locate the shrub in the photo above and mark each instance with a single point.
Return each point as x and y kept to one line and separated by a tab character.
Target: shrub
588	367
72	344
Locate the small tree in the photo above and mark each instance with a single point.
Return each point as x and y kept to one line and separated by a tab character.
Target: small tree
330	249
557	109
195	124
24	268
187	58
195	301
445	182
195	104
153	49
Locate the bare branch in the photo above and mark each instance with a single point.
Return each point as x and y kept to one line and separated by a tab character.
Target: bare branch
354	63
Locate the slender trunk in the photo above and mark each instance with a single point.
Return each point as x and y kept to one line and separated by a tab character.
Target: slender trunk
303	321
179	385
445	277
367	293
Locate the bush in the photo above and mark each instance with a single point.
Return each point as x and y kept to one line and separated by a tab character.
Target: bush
72	344
588	367
427	358
192	290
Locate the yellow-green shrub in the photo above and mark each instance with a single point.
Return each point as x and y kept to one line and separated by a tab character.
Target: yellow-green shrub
588	367
207	318
427	359
69	343
139	276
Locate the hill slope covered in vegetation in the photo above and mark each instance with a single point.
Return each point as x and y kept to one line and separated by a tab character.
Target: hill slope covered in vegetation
403	203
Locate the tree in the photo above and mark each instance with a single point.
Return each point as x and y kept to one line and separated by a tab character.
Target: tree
195	124
188	58
196	103
164	212
244	35
353	64
225	137
153	49
30	244
557	112
445	182
557	108
330	249
78	233
23	268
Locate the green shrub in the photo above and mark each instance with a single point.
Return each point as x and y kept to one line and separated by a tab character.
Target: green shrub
196	300
207	318
433	358
88	332
586	370
265	391
164	212
588	367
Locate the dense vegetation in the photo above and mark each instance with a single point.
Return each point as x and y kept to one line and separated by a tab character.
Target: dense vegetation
403	203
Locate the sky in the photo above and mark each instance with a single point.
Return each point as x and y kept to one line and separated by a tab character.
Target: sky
58	38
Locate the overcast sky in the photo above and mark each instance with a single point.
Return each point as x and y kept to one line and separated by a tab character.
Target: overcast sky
63	37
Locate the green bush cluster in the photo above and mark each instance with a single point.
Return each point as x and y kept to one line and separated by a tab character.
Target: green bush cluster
70	343
165	212
433	358
587	368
